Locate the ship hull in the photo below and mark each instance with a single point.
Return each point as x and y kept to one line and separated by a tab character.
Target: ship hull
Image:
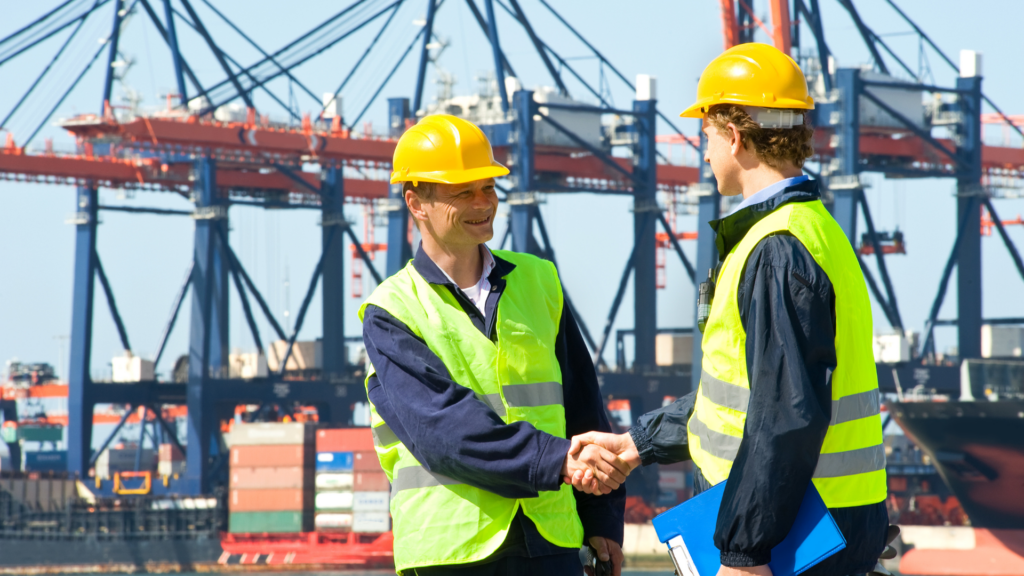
978	448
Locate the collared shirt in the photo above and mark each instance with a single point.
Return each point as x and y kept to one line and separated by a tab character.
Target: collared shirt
478	292
768	191
452	433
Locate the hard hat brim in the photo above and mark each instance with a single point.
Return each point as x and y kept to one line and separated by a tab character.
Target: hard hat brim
700	107
495	170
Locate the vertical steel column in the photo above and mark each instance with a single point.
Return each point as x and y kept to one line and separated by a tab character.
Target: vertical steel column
115	35
332	202
522	201
421	78
80	384
968	272
499	69
399	250
208	339
172	39
846	191
645	216
708	209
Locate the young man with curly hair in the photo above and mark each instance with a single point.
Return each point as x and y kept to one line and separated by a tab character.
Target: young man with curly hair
788	392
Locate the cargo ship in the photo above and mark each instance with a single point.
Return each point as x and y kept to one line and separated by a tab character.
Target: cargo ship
974	438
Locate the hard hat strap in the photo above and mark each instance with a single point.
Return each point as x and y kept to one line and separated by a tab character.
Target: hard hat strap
774	117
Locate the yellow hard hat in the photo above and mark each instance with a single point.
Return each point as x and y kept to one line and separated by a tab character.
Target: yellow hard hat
445	149
751	75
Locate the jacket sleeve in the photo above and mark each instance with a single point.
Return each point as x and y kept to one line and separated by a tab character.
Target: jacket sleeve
786	307
444	425
660	435
585	412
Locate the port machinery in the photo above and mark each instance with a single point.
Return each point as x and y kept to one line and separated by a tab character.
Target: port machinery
252	161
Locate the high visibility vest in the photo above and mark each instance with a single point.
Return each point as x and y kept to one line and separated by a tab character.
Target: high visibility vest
439	520
851	464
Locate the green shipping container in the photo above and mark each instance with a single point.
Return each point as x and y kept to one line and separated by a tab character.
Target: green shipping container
270	522
41	433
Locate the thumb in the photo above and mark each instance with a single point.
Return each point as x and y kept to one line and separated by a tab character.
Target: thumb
601	547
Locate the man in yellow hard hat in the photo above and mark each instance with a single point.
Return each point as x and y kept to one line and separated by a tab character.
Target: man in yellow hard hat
788	392
479	373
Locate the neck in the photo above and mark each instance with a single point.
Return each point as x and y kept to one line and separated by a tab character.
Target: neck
463	264
757	179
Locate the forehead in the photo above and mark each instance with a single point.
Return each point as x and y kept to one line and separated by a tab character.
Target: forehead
474	185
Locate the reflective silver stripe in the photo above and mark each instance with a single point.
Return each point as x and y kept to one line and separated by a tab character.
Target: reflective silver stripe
418	477
724	393
532	395
714	442
383	436
524	396
859	461
856	406
494	401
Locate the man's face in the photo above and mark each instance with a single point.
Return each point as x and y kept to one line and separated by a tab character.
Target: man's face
460	214
721	154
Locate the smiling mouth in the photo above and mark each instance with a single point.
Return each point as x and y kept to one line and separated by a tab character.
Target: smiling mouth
478	222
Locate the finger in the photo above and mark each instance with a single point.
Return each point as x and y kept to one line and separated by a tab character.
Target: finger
575	445
605	470
601	547
588	570
588	474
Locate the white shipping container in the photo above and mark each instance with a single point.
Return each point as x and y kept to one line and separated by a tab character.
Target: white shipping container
114	460
333	501
891	348
270	433
1002	341
673	349
131	368
339	481
333	521
909	103
307	355
371	522
170	468
247	365
370	501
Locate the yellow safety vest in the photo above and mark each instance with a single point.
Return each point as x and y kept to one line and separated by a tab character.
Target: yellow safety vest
851	465
440	520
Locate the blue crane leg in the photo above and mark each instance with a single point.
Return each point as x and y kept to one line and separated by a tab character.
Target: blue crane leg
968	270
332	199
645	214
399	250
80	384
522	204
208	339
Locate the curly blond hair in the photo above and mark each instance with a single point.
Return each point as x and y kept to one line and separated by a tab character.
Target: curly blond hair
773	146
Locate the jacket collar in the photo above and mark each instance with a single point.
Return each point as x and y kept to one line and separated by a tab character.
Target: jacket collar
434	275
731	229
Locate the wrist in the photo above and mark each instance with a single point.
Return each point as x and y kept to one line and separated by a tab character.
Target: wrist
631	455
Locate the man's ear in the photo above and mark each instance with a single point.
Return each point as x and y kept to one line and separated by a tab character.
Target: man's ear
415	204
735	139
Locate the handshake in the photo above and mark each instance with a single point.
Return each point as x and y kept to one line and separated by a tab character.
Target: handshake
598	462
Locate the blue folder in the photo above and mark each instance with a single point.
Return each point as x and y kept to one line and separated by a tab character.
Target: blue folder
813	537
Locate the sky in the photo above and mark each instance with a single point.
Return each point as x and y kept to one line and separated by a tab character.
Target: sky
146	256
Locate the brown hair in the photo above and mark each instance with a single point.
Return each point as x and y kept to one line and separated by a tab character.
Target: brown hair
425	190
773	146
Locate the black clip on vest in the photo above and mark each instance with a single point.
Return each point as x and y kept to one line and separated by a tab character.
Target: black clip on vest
706	294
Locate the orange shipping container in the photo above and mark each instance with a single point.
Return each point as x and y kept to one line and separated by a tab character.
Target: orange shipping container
270	500
366	462
344	440
277	477
264	456
370	482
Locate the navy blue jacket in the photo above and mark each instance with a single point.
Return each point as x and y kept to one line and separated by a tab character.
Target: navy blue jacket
451	432
787	308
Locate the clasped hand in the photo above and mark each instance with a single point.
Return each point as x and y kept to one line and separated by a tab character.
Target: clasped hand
598	462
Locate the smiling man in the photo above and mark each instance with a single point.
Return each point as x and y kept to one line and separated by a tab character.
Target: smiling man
479	372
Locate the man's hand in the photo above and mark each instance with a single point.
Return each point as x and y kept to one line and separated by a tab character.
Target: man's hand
606	550
753	571
603	470
621	444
